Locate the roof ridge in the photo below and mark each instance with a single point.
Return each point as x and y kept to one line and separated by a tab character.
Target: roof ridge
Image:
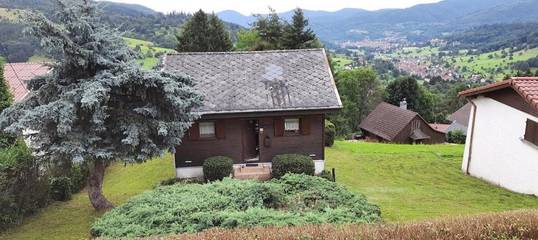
403	109
247	52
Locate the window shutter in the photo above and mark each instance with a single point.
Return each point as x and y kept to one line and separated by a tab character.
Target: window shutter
531	132
279	127
194	132
305	126
220	129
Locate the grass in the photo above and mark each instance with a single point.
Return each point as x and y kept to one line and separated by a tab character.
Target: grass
72	219
145	47
418	182
340	62
409	183
509	225
416	52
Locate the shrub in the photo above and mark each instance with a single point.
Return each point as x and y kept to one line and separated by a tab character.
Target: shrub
79	177
457	137
291	200
60	188
23	188
330	133
217	168
292	163
327	175
174	180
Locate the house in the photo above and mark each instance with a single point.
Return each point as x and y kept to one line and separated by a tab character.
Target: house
17	74
257	105
460	119
502	138
440	127
389	123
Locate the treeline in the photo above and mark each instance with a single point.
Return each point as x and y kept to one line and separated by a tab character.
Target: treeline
488	38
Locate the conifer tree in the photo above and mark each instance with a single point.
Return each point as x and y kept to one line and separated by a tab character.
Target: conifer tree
98	105
204	33
6	98
297	35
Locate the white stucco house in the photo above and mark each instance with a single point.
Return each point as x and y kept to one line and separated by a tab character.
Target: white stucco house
502	134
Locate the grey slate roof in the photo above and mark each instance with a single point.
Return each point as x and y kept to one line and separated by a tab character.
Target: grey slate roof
387	120
263	81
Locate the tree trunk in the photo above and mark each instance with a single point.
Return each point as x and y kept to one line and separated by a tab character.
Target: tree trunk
95	187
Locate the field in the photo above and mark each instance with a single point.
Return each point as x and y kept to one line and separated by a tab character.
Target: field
416	52
148	51
488	62
340	62
9	15
418	182
408	182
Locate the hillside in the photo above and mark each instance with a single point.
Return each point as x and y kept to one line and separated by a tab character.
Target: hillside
419	23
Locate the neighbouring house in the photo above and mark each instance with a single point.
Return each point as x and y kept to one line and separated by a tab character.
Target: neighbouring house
257	105
460	119
389	123
502	138
440	127
17	74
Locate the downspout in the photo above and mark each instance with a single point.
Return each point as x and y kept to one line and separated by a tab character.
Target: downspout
469	157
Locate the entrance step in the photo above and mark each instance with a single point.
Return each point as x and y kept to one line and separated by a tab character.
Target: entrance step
259	172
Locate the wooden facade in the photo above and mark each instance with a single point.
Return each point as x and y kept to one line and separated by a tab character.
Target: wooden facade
252	139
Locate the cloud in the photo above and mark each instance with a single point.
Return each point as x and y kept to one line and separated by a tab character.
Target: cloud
261	6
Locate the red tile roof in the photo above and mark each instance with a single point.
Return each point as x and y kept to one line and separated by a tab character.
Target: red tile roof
526	87
16	75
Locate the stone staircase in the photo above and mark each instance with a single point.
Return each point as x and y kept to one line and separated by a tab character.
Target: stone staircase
254	171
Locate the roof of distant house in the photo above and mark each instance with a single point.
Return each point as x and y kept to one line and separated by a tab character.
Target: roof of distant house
387	121
17	74
526	87
440	127
462	115
263	81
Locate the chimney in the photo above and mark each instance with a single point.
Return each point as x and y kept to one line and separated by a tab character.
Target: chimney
403	104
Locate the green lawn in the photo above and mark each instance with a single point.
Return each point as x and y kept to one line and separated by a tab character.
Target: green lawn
340	62
72	219
418	182
408	183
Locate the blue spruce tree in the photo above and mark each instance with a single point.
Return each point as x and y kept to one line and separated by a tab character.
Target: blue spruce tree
98	105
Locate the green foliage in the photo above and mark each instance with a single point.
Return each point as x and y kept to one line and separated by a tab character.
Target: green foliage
360	91
327	175
418	98
247	40
329	133
217	168
203	33
6	99
292	163
78	176
60	188
290	200
98	103
457	137
23	190
297	35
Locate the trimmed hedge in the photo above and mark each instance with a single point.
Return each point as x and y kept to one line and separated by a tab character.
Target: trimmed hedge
217	168
292	163
289	201
330	133
23	188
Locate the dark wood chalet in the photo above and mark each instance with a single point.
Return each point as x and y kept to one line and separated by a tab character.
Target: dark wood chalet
389	123
256	105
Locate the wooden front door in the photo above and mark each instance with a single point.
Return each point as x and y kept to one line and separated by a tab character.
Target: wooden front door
250	140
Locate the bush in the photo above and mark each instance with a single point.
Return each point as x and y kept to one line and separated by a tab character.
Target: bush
327	175
217	168
330	133
174	180
78	177
457	137
60	188
292	163
23	188
288	201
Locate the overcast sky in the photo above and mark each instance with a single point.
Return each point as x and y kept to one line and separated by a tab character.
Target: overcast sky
260	6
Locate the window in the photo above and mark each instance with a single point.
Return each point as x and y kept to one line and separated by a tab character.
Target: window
207	129
291	125
531	132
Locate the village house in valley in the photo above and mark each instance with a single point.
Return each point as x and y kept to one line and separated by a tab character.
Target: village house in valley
256	105
389	123
502	139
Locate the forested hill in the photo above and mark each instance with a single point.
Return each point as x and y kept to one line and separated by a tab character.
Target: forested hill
420	22
137	21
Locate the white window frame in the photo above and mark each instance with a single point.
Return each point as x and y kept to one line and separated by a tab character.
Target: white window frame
207	129
292	125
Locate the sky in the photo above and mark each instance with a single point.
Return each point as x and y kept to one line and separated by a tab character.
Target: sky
248	7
